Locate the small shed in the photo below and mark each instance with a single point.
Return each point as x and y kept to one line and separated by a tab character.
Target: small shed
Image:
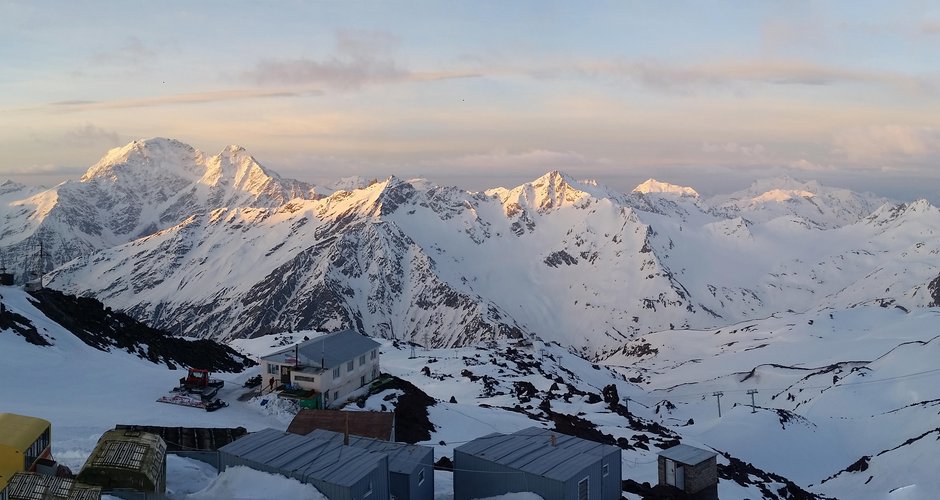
372	424
339	472
127	463
553	465
690	469
410	467
198	443
27	486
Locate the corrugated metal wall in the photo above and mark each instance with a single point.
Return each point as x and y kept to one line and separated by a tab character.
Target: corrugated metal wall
424	491
478	478
613	483
406	487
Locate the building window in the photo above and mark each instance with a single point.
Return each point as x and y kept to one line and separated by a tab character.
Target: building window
335	395
350	365
375	372
326	396
362	380
362	360
420	477
583	488
36	449
605	470
273	369
368	490
374	351
305	379
336	372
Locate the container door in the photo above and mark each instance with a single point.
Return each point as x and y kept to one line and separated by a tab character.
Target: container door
680	477
670	472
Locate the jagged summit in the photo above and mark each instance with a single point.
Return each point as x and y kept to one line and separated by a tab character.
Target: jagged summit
149	157
553	190
653	186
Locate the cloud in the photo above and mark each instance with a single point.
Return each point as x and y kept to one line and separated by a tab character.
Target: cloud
131	52
178	99
361	57
91	135
930	27
810	166
42	171
541	159
730	74
735	148
887	143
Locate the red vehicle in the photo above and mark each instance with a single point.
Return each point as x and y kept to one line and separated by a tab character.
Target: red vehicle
197	389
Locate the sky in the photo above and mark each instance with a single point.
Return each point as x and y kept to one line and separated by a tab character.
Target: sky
478	94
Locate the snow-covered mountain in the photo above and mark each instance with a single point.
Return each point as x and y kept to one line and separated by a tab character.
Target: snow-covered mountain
565	260
133	191
820	206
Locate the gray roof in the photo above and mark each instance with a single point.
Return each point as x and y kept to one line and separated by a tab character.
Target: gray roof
332	349
312	458
530	450
402	458
686	454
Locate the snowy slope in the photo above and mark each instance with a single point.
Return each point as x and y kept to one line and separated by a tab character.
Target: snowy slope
84	391
835	386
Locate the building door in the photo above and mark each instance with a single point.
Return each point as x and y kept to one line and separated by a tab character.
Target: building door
680	477
285	374
670	472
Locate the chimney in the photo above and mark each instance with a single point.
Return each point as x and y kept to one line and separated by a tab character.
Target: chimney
553	440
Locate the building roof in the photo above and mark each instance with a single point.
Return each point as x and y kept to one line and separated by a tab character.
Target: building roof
309	457
25	486
530	450
20	431
403	458
686	454
191	438
372	424
326	351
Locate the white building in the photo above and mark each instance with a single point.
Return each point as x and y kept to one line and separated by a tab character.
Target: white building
334	365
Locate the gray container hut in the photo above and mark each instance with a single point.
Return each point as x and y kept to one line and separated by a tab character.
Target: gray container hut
690	469
553	465
128	464
339	472
410	467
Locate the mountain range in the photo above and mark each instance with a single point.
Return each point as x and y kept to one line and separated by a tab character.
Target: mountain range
219	246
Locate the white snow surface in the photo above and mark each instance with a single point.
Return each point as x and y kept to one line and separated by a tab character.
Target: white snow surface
863	381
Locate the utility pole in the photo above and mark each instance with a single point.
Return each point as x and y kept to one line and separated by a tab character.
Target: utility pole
718	394
752	392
